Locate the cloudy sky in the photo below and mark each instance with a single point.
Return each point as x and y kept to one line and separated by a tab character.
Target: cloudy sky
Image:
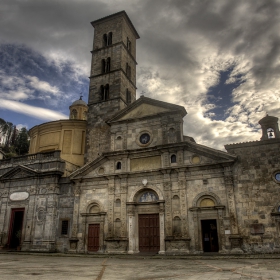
220	59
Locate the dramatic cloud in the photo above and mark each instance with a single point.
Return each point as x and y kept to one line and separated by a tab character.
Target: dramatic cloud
37	112
219	59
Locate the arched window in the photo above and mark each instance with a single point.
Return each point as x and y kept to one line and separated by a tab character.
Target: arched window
118	143
110	39
74	114
270	133
118	203
108	64
104	92
173	159
128	96
119	165
105	40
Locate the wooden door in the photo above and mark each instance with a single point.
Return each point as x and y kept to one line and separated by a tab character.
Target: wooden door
93	237
209	236
149	233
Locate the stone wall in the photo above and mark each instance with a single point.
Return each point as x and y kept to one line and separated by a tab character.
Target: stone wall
257	194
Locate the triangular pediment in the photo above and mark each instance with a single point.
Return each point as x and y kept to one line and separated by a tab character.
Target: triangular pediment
147	107
18	172
144	110
93	169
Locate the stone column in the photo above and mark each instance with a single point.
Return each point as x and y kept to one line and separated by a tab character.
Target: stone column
161	228
131	228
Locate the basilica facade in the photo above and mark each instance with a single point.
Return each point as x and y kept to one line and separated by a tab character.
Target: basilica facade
121	177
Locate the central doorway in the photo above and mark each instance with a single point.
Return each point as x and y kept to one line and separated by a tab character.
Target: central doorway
209	236
15	232
93	237
149	239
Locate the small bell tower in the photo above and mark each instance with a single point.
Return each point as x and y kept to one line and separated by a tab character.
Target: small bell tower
270	129
112	78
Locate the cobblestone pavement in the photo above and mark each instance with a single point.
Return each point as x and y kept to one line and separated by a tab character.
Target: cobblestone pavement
17	267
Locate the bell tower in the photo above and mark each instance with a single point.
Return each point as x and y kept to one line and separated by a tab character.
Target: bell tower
270	129
112	78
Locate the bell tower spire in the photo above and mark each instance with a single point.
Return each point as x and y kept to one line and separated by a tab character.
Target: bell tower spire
112	77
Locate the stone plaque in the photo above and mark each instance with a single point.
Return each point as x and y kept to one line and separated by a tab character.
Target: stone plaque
257	229
18	196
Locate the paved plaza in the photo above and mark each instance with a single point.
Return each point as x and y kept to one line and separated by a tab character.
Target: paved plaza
19	266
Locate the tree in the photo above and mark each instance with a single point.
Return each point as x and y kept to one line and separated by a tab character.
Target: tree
21	144
7	129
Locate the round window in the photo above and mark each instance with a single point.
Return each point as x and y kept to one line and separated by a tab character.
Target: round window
144	138
277	177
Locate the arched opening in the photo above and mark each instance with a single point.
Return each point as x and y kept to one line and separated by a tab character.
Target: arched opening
119	143
110	39
74	114
105	40
270	133
119	165
118	203
173	159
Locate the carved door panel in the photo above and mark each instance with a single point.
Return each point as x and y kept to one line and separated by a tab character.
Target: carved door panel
149	240
93	237
209	236
15	231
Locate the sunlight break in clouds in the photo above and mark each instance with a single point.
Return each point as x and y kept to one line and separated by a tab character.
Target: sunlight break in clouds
37	112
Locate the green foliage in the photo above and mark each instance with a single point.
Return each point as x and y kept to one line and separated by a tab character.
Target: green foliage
17	142
21	144
9	130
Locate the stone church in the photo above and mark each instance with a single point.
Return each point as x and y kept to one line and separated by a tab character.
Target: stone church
119	176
